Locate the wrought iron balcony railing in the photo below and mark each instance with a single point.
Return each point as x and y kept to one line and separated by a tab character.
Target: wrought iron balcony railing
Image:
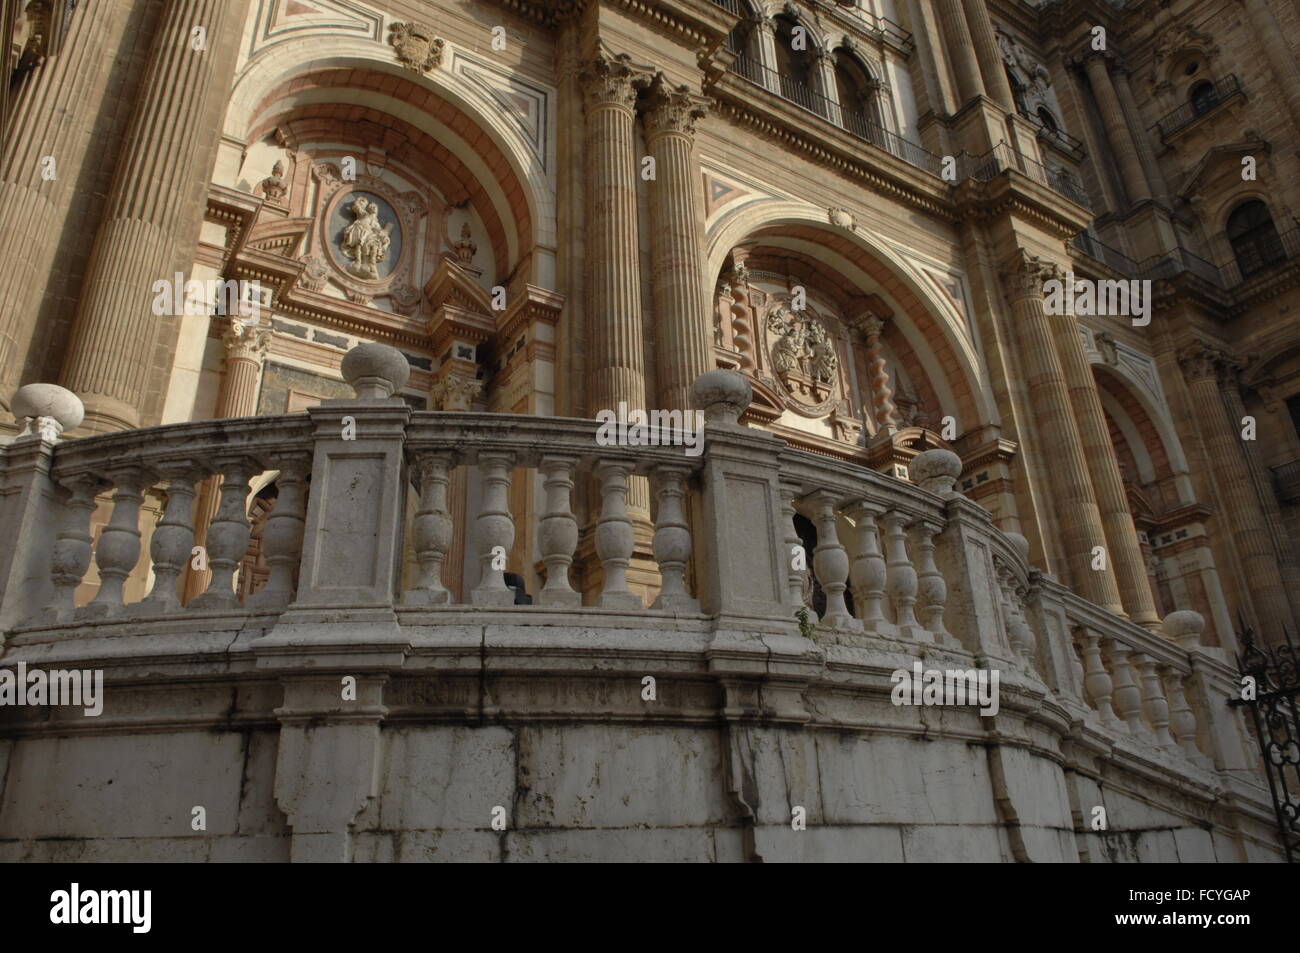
1186	114
1111	257
1002	157
1286	481
851	121
1260	258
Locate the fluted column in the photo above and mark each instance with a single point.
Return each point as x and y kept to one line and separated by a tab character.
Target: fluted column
961	50
1058	434
988	55
1239	513
683	350
615	358
1117	131
47	120
241	378
1122	545
149	219
1146	155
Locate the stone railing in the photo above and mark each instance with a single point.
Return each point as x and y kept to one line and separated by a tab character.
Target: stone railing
924	569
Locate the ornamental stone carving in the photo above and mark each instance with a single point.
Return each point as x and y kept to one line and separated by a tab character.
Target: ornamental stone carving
274	186
669	110
366	241
246	341
417	48
803	358
611	80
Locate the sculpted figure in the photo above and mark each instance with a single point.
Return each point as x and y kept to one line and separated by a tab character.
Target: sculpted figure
365	241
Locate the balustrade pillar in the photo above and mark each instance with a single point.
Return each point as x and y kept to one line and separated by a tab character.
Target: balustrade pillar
1182	720
1128	697
72	549
882	397
282	533
1061	445
1097	680
932	591
831	564
1154	703
868	565
672	543
148	221
495	529
614	537
228	535
431	529
794	577
901	577
557	534
119	543
172	542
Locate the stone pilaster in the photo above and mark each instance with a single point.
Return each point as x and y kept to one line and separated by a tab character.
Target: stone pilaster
1058	434
1146	156
1239	514
1122	544
149	220
682	328
1118	133
1268	32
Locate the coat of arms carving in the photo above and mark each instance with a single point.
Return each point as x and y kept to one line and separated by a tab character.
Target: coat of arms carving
417	48
803	357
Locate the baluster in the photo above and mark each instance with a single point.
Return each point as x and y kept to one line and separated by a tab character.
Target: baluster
868	565
794	577
228	535
1097	680
1128	698
672	543
831	563
282	534
119	542
932	591
1182	720
431	530
901	577
1153	701
1020	625
1015	632
172	543
558	533
70	557
614	536
496	531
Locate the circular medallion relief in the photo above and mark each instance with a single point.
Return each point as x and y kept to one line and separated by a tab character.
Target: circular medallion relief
365	236
803	358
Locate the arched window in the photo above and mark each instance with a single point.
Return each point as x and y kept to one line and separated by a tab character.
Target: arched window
743	41
1254	239
1048	120
795	65
1203	97
858	95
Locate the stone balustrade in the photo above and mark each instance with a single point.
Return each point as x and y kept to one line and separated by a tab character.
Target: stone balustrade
358	541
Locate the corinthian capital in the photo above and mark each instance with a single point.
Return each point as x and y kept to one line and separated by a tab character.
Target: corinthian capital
672	110
1201	361
1024	275
246	342
610	80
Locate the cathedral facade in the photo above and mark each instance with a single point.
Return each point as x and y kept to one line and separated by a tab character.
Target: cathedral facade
987	304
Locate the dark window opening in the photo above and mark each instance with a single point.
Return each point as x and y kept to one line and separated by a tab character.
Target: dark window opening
1254	239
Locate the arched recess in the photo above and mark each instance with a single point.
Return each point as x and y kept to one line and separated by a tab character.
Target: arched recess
927	325
1124	396
441	104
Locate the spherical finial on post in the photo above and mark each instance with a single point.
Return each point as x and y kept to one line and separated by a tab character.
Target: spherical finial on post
375	371
1185	628
936	471
1019	544
46	410
723	396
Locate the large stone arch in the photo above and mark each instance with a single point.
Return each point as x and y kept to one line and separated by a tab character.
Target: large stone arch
935	333
279	65
1123	392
